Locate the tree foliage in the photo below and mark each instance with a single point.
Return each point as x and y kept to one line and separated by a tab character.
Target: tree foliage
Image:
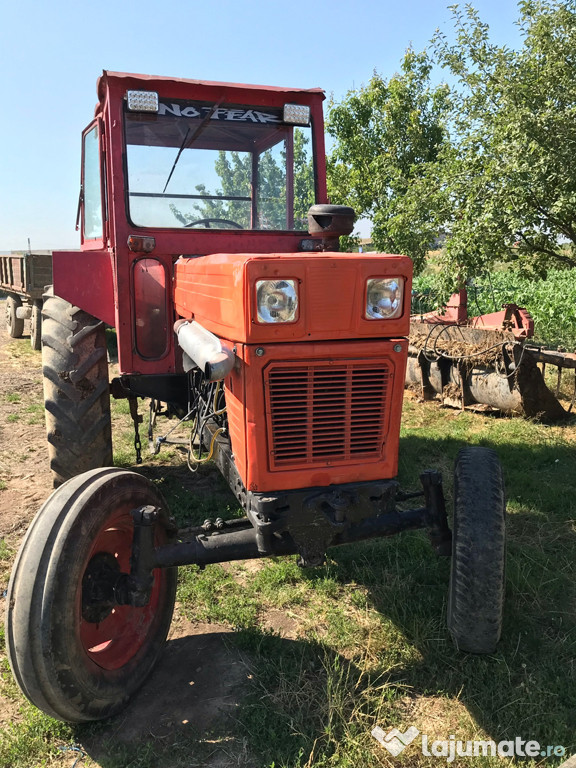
386	134
491	162
508	175
234	170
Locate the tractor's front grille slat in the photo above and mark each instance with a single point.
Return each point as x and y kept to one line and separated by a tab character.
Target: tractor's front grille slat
326	412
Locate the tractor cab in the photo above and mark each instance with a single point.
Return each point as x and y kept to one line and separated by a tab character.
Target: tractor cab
183	168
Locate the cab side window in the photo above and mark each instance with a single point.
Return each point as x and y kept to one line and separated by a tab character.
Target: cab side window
92	186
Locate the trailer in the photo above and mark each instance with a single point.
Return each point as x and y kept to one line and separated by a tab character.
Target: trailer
23	276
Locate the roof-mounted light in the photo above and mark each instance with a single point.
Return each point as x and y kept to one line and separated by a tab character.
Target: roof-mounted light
142	101
297	114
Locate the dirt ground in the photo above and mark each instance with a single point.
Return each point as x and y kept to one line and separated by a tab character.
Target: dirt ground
23	457
205	676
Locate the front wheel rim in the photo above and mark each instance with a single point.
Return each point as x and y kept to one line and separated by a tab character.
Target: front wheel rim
121	632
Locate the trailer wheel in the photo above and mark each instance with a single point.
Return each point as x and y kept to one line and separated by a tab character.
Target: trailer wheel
74	655
36	325
76	389
476	594
14	325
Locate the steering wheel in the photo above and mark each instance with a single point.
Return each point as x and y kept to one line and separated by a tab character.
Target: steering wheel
233	224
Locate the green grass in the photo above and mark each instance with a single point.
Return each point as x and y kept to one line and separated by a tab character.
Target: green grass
123	436
311	706
32	740
376	612
35	413
13	397
5	551
6	557
21	349
333	651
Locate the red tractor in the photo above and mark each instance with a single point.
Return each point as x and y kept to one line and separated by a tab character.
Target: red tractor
208	243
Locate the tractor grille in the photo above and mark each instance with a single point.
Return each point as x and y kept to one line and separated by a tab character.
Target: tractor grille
326	412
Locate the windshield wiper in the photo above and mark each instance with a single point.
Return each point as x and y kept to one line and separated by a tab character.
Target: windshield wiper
186	143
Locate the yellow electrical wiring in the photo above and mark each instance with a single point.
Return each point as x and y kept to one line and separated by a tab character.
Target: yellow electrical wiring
191	458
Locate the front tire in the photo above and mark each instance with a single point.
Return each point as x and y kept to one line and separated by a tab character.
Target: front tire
14	325
476	595
74	658
76	389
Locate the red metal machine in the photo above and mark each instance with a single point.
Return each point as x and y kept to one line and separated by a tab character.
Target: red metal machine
484	360
209	245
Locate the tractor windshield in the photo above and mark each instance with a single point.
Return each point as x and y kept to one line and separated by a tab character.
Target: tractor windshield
218	166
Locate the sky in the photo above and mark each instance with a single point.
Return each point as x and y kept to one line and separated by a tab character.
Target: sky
51	54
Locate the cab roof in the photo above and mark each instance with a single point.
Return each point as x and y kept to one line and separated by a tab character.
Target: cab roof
236	91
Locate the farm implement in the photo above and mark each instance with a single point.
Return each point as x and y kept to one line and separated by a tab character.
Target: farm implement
209	245
485	360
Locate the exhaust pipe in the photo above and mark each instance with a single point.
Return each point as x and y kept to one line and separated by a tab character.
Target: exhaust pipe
204	350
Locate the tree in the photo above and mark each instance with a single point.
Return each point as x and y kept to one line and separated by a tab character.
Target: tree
235	172
490	160
507	178
303	179
387	135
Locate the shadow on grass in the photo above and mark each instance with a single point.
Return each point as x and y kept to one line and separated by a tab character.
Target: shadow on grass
527	688
296	703
183	715
243	698
192	497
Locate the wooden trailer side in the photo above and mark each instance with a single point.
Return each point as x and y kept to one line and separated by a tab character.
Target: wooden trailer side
26	274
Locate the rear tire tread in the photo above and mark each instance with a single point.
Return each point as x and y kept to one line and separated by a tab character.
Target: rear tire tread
76	389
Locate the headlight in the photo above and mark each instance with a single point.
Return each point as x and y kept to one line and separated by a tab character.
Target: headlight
277	301
384	298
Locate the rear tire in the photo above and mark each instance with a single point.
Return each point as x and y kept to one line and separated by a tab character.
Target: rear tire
75	655
76	389
14	325
36	326
476	595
